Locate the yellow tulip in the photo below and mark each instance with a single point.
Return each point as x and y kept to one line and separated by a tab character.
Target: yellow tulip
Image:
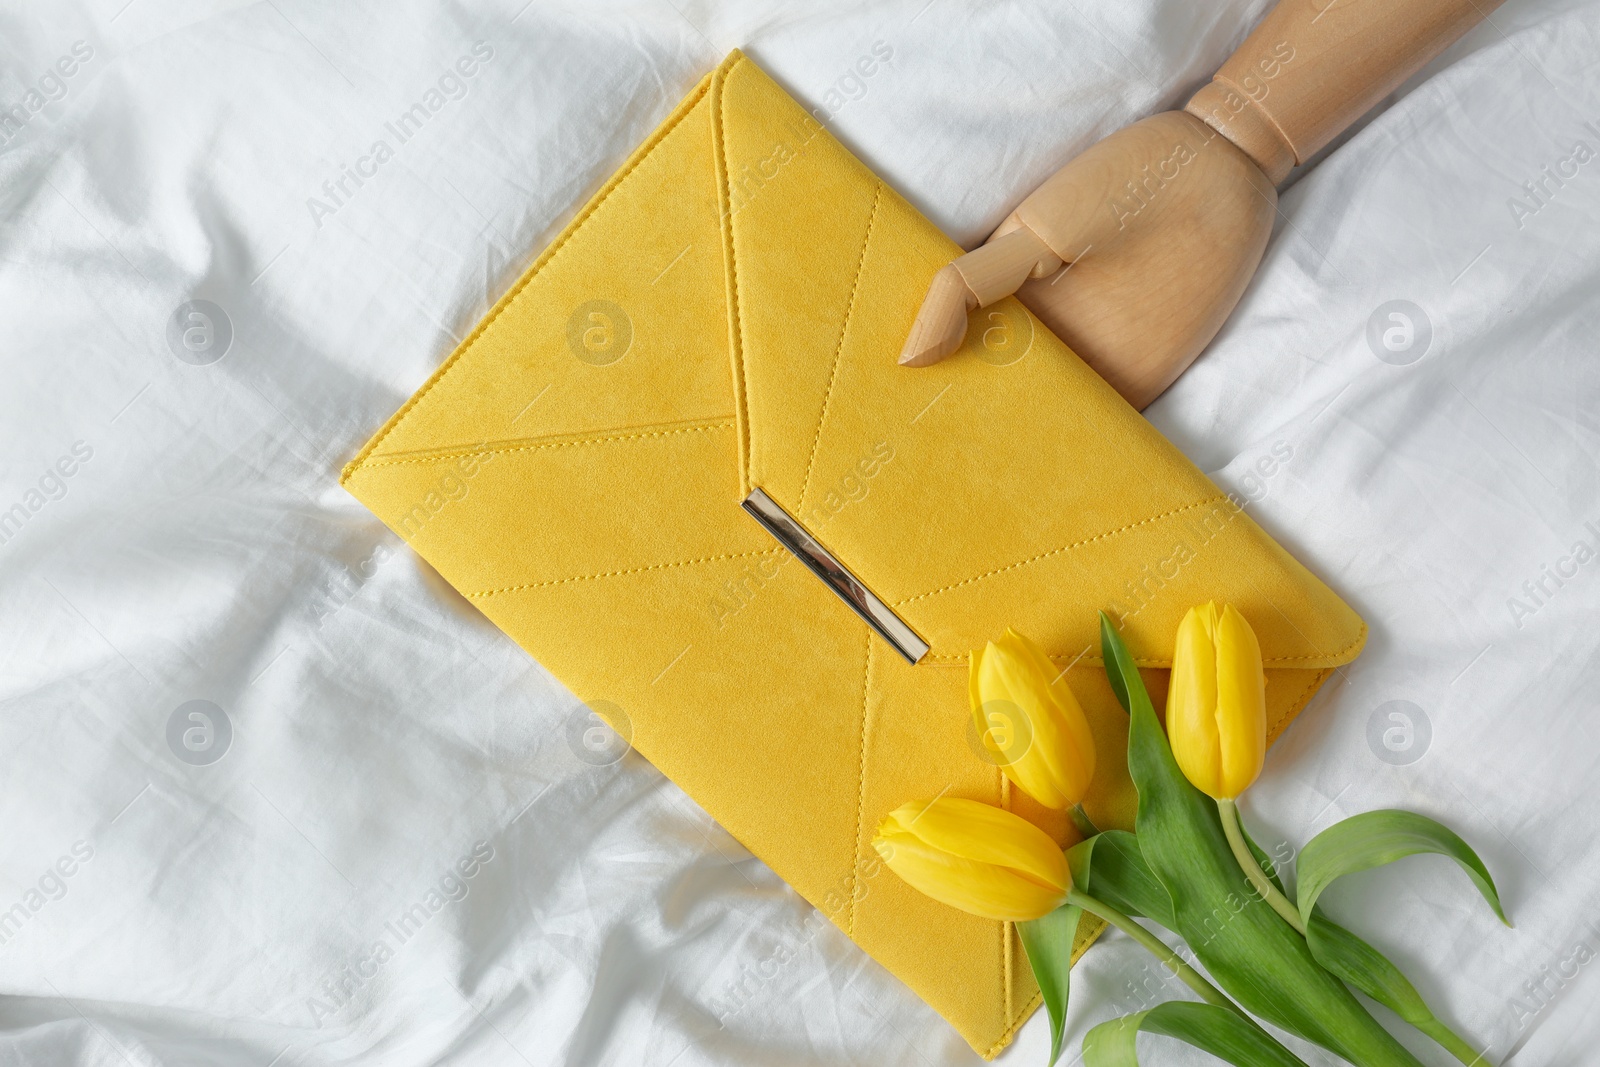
1030	722
1217	702
976	857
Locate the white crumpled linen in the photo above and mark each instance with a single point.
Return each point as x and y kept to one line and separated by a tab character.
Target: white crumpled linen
384	836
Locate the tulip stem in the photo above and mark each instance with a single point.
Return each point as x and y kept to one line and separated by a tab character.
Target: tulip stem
1252	870
1081	822
1157	948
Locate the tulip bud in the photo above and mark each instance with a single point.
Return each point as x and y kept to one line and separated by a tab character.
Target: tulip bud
1217	702
1030	723
976	857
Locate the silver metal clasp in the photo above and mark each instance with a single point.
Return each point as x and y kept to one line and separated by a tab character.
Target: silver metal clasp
791	535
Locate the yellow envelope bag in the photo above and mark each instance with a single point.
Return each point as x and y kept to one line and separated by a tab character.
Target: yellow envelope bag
720	325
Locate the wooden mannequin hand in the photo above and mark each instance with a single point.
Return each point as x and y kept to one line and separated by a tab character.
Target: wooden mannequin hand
1136	251
1133	254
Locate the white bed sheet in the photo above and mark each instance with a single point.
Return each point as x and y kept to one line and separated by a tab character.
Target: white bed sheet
385	742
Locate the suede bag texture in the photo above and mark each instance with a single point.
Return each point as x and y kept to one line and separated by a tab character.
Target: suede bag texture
726	313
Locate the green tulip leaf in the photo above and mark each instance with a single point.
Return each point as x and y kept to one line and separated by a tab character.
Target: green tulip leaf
1367	969
1375	838
1248	949
1110	867
1121	670
1364	967
1115	673
1048	944
1205	1026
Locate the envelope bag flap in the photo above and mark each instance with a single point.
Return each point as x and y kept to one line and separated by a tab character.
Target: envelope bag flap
1007	485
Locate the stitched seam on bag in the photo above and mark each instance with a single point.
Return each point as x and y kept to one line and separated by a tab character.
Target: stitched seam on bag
1038	997
544	260
1005	927
598	439
1005	968
1016	1023
1065	548
631	570
838	352
953	659
736	323
861	787
1360	638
